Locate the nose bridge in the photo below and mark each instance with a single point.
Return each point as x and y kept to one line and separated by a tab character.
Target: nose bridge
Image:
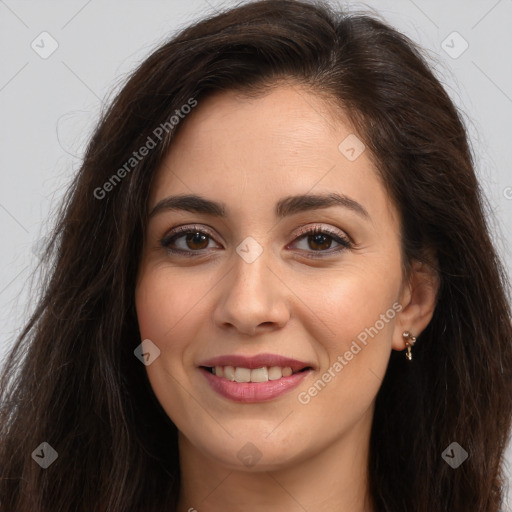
251	258
252	295
251	275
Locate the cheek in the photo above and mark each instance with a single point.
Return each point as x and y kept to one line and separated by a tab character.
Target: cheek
170	305
163	304
164	312
152	306
349	303
161	309
353	323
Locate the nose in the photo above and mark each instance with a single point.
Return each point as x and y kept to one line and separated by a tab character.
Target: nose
252	298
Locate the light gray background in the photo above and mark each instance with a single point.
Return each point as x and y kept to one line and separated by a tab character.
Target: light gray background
48	106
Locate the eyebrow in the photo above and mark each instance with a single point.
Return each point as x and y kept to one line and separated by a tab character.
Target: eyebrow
285	207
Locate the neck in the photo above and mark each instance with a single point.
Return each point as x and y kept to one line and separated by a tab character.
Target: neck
335	478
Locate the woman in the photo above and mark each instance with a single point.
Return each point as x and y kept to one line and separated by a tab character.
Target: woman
273	289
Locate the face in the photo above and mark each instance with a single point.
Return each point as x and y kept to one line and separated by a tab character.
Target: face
274	314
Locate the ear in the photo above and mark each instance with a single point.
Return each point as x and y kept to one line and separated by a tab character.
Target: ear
418	298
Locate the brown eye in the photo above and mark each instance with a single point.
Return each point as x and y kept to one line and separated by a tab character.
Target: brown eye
186	241
319	240
196	241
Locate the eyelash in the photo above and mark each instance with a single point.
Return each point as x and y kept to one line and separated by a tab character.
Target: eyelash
345	242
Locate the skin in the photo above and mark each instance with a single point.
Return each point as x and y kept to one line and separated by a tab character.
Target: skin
248	153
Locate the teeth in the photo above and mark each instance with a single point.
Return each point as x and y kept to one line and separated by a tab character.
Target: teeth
263	374
259	375
229	372
242	375
287	371
274	373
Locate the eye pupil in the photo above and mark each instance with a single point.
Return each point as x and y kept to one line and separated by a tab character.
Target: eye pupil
197	238
320	239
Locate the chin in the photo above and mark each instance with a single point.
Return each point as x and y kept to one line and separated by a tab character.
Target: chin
255	451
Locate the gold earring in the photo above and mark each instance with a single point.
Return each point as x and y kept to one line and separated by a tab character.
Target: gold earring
409	342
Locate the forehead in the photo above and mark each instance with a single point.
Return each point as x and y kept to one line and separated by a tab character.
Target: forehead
252	150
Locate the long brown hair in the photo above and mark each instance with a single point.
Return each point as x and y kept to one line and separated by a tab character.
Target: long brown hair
72	379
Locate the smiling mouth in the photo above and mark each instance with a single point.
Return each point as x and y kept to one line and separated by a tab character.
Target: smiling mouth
262	374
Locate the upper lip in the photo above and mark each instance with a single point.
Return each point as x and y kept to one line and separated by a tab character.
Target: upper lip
257	361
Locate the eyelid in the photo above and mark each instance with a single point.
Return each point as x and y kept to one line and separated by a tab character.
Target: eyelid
306	230
185	229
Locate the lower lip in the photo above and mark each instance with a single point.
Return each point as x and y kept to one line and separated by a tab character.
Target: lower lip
251	392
